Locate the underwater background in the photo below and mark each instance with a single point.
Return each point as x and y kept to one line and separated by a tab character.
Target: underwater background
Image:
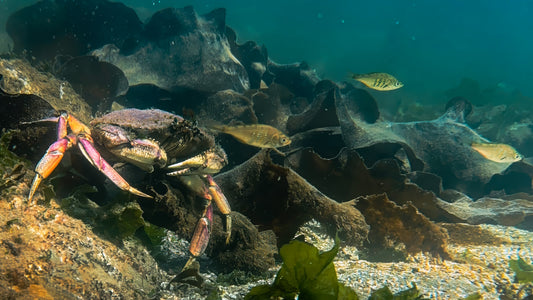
430	46
415	175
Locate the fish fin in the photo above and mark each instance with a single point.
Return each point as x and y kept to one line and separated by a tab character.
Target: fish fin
217	127
528	160
278	152
214	125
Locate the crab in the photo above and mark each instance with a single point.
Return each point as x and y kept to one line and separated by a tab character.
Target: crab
147	139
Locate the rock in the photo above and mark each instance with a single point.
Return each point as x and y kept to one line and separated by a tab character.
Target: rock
99	83
176	210
325	141
391	224
145	96
487	210
228	106
506	123
298	77
18	77
182	51
441	146
18	109
49	254
426	181
345	177
253	57
177	201
27	96
277	198
271	105
49	28
517	178
466	234
320	113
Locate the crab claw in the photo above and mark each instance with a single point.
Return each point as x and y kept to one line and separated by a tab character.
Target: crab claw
200	238
207	162
91	154
49	161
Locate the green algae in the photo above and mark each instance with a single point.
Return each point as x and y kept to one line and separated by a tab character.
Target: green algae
119	219
12	167
474	296
154	233
126	219
306	274
523	271
8	159
240	277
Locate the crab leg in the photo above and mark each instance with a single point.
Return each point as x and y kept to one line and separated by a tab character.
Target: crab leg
222	203
63	121
206	187
50	160
200	238
91	154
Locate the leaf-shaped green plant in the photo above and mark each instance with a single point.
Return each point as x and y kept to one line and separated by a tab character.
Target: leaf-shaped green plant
305	273
523	271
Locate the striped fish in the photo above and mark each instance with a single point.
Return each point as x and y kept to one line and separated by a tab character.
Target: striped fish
378	81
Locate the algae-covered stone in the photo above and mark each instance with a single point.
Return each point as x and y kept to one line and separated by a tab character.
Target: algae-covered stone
154	233
125	220
19	77
115	220
12	168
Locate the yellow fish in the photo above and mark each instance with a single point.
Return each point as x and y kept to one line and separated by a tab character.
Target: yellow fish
501	153
258	135
378	81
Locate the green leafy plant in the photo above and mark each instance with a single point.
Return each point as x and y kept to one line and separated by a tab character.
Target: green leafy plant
523	271
305	273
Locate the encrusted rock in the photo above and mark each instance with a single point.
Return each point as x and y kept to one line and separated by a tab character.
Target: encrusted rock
182	51
49	28
277	198
19	77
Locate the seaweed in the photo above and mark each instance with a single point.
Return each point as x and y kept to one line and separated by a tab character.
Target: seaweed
9	159
154	234
474	296
305	273
523	271
119	219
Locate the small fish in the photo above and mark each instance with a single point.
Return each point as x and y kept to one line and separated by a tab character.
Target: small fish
378	81
501	153
258	135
